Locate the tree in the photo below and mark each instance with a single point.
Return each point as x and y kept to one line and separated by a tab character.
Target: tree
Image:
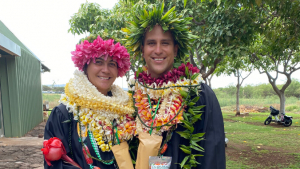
276	48
236	67
92	19
46	88
59	89
223	29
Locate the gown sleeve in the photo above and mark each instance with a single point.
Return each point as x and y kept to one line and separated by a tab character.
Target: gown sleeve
214	139
55	128
213	126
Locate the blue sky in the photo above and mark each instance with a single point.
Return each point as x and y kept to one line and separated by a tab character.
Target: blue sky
43	27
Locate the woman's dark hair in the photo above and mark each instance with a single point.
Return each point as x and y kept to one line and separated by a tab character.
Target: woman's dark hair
85	68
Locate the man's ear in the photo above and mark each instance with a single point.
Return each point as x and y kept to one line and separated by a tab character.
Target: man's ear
142	49
176	49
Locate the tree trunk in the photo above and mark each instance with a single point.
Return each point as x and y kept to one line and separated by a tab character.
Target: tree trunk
282	103
280	93
238	95
238	101
209	80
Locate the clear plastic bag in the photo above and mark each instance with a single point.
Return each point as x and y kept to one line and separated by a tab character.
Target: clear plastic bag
160	162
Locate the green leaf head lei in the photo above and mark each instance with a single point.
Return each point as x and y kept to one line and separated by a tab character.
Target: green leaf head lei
144	20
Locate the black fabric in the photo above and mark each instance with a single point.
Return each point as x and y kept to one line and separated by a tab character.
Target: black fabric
55	128
213	127
211	124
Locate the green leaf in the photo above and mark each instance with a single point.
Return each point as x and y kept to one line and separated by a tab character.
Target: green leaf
186	123
189	128
184	161
196	148
184	115
185	150
176	64
198	116
183	93
198	135
198	107
195	99
145	24
219	2
258	2
228	33
191	111
138	72
199	148
167	14
197	155
184	134
197	139
66	121
184	3
191	104
187	72
195	76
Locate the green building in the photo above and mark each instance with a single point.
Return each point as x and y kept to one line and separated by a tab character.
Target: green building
21	107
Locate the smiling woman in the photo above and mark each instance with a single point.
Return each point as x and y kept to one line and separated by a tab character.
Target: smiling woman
102	73
94	120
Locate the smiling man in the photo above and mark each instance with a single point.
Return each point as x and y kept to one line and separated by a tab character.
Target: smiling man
159	51
161	46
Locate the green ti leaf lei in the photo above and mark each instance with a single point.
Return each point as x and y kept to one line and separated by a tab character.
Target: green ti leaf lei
191	116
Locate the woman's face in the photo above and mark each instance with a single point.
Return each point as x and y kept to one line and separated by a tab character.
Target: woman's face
102	73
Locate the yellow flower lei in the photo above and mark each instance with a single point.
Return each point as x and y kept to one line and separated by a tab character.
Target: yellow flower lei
97	111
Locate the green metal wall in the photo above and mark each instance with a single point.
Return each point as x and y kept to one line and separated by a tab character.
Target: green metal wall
29	91
21	90
5	98
21	93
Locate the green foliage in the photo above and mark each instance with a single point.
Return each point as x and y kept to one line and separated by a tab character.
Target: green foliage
145	20
46	88
91	18
292	108
59	89
258	91
190	118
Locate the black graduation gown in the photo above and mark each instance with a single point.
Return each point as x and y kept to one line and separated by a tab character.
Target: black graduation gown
213	127
55	128
211	124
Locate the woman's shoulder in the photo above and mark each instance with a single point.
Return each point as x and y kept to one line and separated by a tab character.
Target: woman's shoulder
60	110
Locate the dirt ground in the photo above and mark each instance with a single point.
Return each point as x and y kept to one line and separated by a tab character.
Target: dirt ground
24	152
263	158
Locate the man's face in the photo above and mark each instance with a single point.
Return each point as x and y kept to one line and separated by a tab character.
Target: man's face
159	51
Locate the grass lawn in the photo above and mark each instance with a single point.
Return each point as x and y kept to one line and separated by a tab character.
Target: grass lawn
251	143
52	99
255	145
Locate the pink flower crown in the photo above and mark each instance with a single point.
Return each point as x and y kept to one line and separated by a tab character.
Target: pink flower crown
86	51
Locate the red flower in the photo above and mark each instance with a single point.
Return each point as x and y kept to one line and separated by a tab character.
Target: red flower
163	150
54	150
172	75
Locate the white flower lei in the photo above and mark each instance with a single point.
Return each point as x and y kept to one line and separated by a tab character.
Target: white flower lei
97	111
